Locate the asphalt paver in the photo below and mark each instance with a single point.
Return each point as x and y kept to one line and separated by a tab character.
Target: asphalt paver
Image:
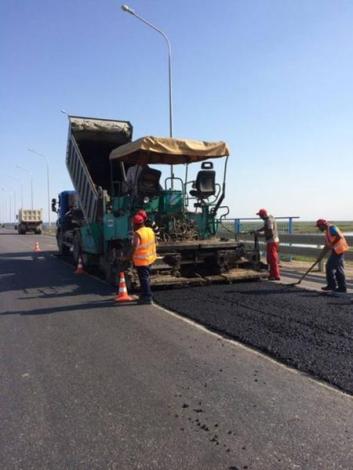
302	328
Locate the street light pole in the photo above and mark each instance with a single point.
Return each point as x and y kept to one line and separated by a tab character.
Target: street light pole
132	12
5	206
31	181
12	203
14	206
47	166
21	187
10	207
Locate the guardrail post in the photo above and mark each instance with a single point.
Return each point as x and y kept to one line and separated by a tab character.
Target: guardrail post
320	266
290	231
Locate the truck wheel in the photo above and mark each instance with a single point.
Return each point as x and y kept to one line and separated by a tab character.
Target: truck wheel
38	232
76	248
110	274
129	278
62	248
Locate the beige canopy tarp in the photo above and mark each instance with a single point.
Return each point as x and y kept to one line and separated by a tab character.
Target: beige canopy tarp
168	150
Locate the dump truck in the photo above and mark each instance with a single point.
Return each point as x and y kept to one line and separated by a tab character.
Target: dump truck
188	210
29	220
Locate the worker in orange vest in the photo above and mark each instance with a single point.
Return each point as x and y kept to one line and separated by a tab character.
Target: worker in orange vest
143	256
334	241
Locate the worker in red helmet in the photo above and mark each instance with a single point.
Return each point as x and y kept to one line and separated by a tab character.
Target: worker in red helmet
152	224
270	231
336	242
143	213
143	256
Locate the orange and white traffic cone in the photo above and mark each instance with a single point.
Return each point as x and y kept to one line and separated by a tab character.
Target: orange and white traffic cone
122	295
36	247
79	269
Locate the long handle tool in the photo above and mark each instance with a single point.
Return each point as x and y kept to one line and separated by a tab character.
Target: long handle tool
321	257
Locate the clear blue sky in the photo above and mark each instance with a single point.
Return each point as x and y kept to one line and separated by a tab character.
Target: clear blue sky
273	78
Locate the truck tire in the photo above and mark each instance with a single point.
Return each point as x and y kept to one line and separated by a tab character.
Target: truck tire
76	248
38	231
110	274
62	248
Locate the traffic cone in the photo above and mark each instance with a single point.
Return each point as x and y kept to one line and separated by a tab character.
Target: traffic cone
79	269
36	247
122	295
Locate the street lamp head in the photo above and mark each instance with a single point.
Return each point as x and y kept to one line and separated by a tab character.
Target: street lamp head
127	9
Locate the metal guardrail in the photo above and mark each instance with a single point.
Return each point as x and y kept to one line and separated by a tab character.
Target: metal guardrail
284	224
309	245
300	244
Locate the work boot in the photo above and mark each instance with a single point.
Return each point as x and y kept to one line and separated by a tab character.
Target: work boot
327	288
144	301
343	290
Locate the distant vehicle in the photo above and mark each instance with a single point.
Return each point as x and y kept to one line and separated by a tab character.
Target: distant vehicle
29	220
95	220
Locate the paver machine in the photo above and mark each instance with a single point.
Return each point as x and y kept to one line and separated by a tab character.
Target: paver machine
114	177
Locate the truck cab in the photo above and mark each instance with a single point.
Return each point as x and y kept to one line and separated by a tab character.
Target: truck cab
69	220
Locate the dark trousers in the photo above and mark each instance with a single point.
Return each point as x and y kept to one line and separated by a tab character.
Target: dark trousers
335	271
144	278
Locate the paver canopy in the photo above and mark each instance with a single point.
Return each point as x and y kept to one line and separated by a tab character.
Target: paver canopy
166	150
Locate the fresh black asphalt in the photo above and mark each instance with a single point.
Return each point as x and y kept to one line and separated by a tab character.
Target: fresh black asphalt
301	328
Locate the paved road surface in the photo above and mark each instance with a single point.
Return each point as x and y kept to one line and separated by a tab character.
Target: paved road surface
87	384
310	331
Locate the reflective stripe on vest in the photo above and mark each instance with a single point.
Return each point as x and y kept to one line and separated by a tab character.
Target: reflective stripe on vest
341	246
145	252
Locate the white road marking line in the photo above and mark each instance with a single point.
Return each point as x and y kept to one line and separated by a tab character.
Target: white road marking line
235	343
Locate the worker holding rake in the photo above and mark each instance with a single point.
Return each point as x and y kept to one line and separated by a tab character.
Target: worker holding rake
334	241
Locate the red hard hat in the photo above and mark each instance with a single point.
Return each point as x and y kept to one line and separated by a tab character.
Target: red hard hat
321	223
262	213
138	219
143	214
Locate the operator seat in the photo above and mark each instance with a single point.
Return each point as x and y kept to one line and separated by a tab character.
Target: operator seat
205	184
148	182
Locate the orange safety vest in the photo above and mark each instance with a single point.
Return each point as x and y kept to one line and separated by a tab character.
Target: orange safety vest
341	246
145	252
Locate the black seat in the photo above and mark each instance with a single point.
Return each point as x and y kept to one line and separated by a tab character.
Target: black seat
205	184
148	182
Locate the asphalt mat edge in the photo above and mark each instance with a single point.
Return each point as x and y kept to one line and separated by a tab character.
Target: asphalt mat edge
308	332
